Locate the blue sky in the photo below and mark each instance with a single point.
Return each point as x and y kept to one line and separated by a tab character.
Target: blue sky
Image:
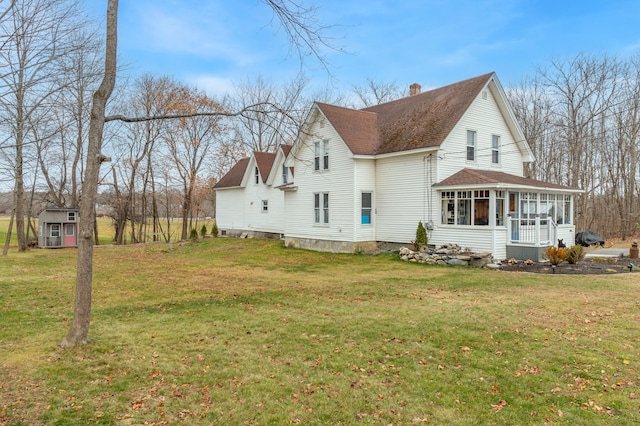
213	43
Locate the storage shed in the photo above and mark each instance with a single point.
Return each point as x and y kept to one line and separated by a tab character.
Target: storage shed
58	227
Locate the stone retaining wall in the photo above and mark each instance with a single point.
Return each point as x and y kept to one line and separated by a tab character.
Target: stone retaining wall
447	254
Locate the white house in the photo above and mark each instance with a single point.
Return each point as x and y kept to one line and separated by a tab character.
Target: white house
450	157
247	197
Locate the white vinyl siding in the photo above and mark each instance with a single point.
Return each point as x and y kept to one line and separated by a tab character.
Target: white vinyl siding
485	118
337	181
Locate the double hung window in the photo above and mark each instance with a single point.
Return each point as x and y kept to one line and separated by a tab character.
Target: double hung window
321	208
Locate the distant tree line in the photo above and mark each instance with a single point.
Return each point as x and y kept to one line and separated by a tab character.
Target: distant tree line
581	116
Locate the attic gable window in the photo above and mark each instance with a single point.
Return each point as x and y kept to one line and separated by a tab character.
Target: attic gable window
285	174
257	174
471	145
71	216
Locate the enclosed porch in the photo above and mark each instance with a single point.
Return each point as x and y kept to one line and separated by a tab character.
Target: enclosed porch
510	216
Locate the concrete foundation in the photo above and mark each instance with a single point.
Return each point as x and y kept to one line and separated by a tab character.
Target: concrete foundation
331	246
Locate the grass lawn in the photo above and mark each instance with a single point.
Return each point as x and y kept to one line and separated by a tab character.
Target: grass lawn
230	331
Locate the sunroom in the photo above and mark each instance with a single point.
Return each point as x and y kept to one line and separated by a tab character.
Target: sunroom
509	215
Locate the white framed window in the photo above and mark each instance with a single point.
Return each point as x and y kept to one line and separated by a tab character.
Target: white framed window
464	208
470	207
367	208
321	208
69	229
285	174
55	230
325	155
499	208
257	175
71	216
481	207
321	155
495	149
471	145
265	206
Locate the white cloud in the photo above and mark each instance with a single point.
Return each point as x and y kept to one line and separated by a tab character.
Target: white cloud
212	85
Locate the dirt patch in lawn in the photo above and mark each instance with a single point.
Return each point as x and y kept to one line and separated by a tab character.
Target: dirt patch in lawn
588	266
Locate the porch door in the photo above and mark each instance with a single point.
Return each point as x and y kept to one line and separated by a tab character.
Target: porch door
514	215
69	234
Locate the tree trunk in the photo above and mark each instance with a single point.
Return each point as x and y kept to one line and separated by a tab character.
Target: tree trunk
8	240
79	331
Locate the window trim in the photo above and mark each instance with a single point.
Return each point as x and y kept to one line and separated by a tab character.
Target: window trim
265	206
71	216
321	208
369	208
496	149
55	226
321	155
471	148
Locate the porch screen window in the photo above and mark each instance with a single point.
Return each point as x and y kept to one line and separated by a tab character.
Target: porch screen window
567	209
366	208
495	149
471	145
55	230
464	208
448	207
499	208
321	208
481	207
528	206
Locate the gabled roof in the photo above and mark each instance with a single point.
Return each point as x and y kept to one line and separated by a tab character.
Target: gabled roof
426	119
419	121
357	128
490	178
264	161
234	176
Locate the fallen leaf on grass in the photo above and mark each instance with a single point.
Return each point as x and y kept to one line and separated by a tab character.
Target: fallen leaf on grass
499	406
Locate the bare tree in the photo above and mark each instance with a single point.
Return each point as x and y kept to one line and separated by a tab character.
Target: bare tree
41	30
374	92
303	33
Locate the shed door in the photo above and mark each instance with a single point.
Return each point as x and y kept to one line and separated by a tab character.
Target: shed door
69	234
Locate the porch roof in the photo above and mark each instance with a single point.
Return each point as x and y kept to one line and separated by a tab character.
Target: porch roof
493	179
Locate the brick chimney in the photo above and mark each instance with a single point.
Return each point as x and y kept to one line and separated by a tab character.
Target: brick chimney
414	89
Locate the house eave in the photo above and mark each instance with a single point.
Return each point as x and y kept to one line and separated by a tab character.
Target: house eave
505	186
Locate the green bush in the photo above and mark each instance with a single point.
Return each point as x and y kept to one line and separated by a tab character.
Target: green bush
575	254
203	231
555	255
193	235
214	230
421	236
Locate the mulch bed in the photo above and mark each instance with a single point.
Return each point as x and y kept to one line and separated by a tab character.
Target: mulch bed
589	266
